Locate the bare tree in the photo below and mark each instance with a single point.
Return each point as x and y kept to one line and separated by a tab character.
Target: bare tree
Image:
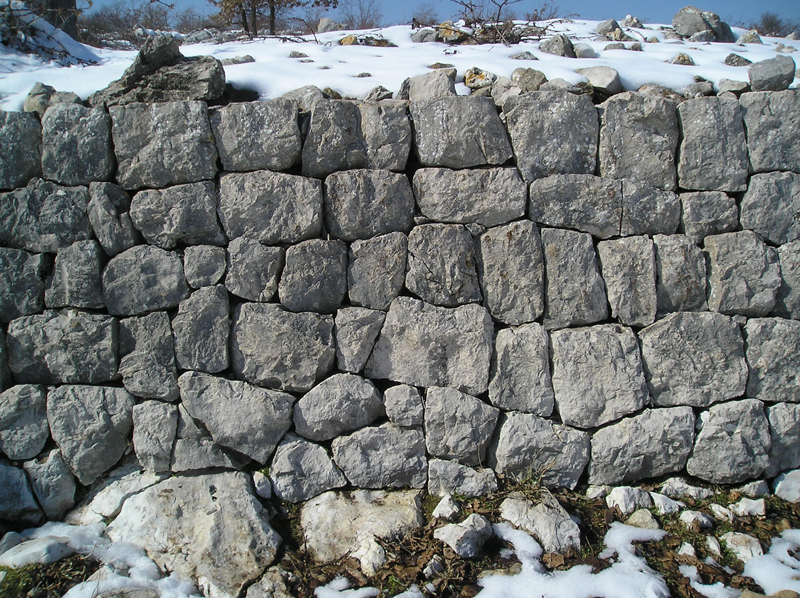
360	14
773	25
425	14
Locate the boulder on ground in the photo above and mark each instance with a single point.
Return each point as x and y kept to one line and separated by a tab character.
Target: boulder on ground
773	74
466	538
559	44
547	521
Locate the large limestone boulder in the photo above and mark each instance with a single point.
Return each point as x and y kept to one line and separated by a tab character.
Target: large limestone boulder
773	357
770	204
21	136
439	83
147	352
773	74
376	270
302	470
23	421
690	21
21	283
772	122
334	141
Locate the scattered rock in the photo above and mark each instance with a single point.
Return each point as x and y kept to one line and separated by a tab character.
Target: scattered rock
665	505
682	59
773	74
742	546
787	486
628	499
736	60
41	97
466	538
449	477
696	520
547	521
476	78
644	519
748	507
44	550
559	44
677	487
447	509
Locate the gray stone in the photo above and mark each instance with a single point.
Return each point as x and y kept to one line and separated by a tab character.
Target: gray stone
340	404
43	217
129	593
60	347
301	470
23	421
553	132
735	87
787	486
386	128
559	44
488	196
376	270
459	132
17	504
743	274
76	278
314	278
90	424
659	91
147	363
749	37
270	207
681	275
603	79
597	374
736	60
76	145
163	144
583	50
204	265
42	96
334	141
527	446
690	20
180	214
643	519
784	430
606	27
425	35
773	74
424	345
235	546
155	425
699	89
403	405
732	444
772	121
257	135
770	206
476	78
200	331
713	152
648	210
6	380
52	484
528	79
305	96
437	84
511	272
195	450
629	271
142	279
466	538
742	546
644	446
523	56
253	269
357	329
110	219
386	456
705	213
772	349
240	416
694	359
279	349
574	289
441	265
547	521
21	283
21	136
520	371
628	500
360	204
449	477
787	302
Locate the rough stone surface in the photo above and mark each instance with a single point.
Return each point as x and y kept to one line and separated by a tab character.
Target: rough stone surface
772	122
628	499
253	269
301	470
403	405
142	279
60	347
743	546
705	213
770	206
424	345
693	359
314	277
553	132
110	219
772	349
357	329
6	379
644	446
200	331
449	477
439	83
204	265
278	349
597	374
547	521
163	144
681	274
387	133
270	207
629	271
787	302
743	274
52	483
23	421
527	445
466	538
787	486
76	278
17	504
559	44
773	74
155	425
21	283
376	270
147	363
520	371
210	528
647	210
334	141
195	450
732	444
91	425
21	136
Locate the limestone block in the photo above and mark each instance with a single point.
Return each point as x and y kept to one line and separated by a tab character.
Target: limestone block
52	483
787	302
155	425
772	350
386	128
21	136
204	265
357	329
147	363
784	431
334	141
108	213
376	270
315	276
200	331
680	275
449	477
76	280
23	421
629	271
21	283
772	122
648	210
253	269
302	470
770	205
705	213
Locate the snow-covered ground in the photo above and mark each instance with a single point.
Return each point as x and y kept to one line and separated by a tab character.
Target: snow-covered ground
273	73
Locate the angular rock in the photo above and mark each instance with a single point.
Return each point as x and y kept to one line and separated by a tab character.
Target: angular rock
437	84
466	538
583	50
90	424
643	519
603	79
110	219
705	213
147	363
743	274
155	425
386	128
737	88
270	207
475	78
301	470
386	456
749	37
694	359
17	504
447	509
459	132
743	546
21	283
6	380
677	487
773	74
42	96
305	96
403	405
360	204
681	275
240	416
180	214
736	60
647	210
559	44
163	144
60	347
76	280
772	349
787	302
526	445
219	533
424	345
142	279
253	269
23	421
334	141
195	450
732	444
644	446
713	152
520	371
376	270
770	205
76	145
607	27
314	278
257	135
357	329
278	349
528	79
449	477
52	484
204	265
21	136
628	499
771	121
200	331
690	20
547	521
575	292
629	271
441	265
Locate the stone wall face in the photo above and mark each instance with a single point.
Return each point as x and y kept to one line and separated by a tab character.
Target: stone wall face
607	298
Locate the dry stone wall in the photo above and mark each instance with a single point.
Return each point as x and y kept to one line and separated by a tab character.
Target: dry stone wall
391	294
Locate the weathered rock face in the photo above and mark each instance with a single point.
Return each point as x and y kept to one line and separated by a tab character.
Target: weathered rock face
548	521
314	278
387	133
17	503
439	83
200	331
376	270
110	219
204	265
449	477
334	141
195	450
681	274
772	349
155	425
21	135
357	329
559	44
467	538
770	204
784	428
76	278
210	528
424	345
629	271
302	470
5	374
774	74
147	363
707	213
23	421
787	302
22	283
693	359
647	210
52	483
773	138
403	405
253	269
656	442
